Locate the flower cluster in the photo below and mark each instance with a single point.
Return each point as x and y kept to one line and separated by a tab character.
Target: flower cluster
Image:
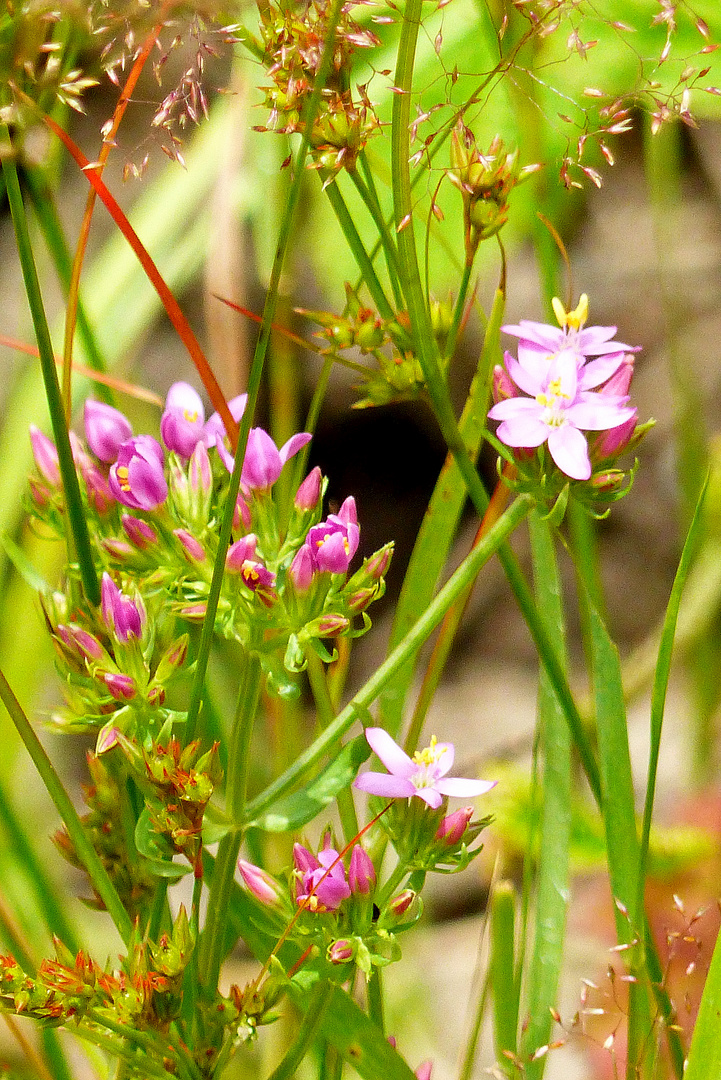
566	381
154	509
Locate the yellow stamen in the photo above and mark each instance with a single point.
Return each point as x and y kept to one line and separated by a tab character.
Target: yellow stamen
574	319
122	474
191	417
430	755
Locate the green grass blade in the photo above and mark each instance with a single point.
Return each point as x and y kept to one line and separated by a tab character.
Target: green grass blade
552	892
704	1058
502	968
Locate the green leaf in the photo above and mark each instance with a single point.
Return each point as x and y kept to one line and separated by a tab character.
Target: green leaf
360	1042
296	810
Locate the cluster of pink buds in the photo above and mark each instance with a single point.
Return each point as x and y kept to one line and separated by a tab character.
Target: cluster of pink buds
567	381
153	508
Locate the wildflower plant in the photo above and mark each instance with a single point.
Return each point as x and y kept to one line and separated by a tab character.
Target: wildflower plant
197	548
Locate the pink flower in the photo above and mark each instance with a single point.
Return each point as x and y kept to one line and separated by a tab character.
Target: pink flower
263	460
137	479
215	428
124	617
561	407
424	775
334	542
323	884
182	425
571	335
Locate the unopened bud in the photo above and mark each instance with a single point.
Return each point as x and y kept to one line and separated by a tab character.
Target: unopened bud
341	951
139	532
122	687
308	494
361	872
453	826
46	456
399	904
260	884
192	548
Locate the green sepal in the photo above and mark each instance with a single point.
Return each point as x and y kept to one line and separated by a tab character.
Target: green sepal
150	844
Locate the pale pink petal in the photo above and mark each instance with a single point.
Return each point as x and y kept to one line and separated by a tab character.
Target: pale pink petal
548	337
599	414
570	452
430	795
445	754
390	753
534	361
528	373
460	788
596	372
385	784
510	408
523	431
294	444
564	369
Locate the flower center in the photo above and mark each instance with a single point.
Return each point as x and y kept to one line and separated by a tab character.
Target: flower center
190	416
431	755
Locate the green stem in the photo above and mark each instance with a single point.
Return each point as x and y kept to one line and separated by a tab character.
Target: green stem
318	679
256	369
84	850
370	198
555	832
357	708
319	1001
501	972
360	254
75	510
450	347
212	943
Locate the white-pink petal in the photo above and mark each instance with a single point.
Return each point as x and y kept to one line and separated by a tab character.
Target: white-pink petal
598	414
461	788
386	785
523	431
598	371
390	753
569	450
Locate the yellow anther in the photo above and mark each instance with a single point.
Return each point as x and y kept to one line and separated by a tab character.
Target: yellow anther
122	474
191	417
574	319
430	755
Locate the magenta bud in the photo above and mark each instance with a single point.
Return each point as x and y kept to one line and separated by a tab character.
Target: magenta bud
424	1070
620	382
193	549
137	479
361	872
340	952
330	625
78	640
106	429
377	565
308	494
607	480
41	493
183	421
46	456
361	598
399	904
453	826
242	517
139	532
123	617
301	569
107	739
118	549
122	687
260	884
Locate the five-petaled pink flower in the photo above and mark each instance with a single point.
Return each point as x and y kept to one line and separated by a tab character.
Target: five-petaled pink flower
561	407
423	775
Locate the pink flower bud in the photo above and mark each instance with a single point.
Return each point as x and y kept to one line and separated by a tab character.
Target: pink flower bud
304	860
361	599
301	569
613	441
308	494
118	549
193	549
361	872
80	641
619	383
259	884
46	456
503	385
399	904
123	616
194	611
340	952
107	739
423	1072
453	826
122	687
139	532
377	565
330	625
